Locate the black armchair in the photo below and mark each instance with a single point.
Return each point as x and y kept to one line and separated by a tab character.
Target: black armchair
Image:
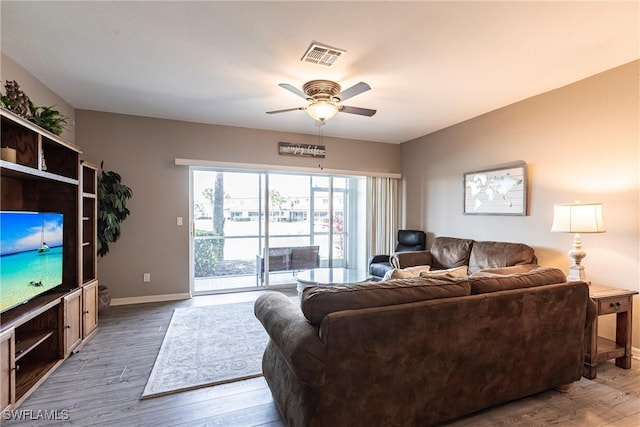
408	240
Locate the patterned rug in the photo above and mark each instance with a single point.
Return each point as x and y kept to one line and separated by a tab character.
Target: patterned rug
205	346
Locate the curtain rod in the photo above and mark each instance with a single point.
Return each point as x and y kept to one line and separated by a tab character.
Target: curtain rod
268	167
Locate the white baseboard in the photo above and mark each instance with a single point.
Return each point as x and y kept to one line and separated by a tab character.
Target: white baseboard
149	298
635	353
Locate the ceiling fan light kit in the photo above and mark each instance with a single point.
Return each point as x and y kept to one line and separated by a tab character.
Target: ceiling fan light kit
322	110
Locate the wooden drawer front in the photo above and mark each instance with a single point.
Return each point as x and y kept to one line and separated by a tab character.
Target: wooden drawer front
613	305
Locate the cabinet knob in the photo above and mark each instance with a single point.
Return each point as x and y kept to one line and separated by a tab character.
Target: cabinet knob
615	306
86	312
68	327
16	368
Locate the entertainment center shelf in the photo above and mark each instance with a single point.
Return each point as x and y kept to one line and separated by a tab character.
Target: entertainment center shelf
31	340
37	347
42	173
26	171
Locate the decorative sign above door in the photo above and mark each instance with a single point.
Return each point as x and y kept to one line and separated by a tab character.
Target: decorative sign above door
304	150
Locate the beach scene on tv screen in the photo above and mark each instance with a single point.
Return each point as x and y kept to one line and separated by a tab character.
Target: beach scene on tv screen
30	255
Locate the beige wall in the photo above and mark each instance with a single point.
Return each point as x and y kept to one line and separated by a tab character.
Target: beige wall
143	151
580	142
38	93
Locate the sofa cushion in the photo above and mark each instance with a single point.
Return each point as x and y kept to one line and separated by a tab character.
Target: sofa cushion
449	272
484	282
450	252
406	273
318	301
499	254
513	269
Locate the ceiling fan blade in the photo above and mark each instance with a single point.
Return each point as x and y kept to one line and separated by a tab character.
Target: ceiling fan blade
286	110
357	110
293	89
354	90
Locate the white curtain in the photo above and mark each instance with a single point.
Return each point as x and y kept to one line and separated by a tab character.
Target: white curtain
383	217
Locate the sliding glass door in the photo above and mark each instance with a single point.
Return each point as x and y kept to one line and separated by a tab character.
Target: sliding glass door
289	225
239	216
226	209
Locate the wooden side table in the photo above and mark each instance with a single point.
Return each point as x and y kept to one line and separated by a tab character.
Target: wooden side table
598	349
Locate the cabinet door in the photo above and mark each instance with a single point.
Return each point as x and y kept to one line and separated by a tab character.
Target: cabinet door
89	308
72	321
7	370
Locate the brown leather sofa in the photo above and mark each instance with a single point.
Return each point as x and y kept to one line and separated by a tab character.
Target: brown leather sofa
449	252
424	350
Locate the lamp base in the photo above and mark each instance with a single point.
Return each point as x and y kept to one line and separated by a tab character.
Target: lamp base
576	272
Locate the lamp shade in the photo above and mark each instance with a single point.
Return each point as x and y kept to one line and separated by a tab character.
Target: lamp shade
322	110
578	218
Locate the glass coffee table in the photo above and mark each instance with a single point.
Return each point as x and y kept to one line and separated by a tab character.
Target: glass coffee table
328	277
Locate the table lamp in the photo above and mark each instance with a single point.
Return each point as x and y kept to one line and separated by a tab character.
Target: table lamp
577	218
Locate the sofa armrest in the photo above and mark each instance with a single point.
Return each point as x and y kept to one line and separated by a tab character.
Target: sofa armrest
296	339
411	259
378	258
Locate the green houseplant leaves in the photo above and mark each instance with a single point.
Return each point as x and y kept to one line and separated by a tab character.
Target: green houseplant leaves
47	118
112	208
19	103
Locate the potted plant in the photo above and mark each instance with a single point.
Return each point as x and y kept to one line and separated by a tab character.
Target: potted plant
112	210
47	118
19	103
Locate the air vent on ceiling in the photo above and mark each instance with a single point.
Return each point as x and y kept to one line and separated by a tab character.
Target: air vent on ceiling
322	54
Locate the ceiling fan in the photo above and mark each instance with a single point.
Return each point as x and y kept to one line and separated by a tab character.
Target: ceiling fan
325	97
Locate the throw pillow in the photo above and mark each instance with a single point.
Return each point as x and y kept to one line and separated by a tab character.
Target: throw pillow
450	272
406	273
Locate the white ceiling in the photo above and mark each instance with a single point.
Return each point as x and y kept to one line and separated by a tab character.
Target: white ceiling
430	64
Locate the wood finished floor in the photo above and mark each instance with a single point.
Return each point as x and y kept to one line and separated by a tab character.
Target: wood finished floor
101	386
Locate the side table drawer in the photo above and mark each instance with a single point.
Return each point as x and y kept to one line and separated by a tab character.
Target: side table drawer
613	305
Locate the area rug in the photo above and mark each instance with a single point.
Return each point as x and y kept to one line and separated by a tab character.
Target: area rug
205	346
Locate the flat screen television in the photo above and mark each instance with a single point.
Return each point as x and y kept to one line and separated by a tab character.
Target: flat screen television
30	255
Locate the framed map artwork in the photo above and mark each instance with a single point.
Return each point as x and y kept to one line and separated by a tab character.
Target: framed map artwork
501	191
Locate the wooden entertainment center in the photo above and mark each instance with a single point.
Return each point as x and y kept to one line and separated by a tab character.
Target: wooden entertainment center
47	175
